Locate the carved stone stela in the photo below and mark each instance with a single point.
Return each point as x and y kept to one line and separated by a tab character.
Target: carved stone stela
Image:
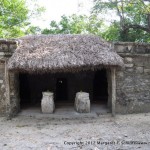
47	102
82	102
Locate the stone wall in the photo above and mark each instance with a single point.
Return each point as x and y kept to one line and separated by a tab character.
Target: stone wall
133	82
14	93
2	88
7	47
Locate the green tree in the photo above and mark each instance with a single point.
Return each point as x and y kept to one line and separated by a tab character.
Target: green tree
32	30
134	19
75	24
15	18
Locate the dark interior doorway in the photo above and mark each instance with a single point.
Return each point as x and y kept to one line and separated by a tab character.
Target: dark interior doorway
100	89
24	89
31	88
61	90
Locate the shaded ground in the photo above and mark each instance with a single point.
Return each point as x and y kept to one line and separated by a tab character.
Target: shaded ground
103	132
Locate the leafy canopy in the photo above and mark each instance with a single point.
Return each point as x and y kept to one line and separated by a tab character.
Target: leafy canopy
75	24
15	18
134	19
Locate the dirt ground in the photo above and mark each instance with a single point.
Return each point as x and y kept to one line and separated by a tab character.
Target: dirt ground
101	132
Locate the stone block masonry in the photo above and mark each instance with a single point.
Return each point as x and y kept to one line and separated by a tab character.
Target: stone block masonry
7	47
133	82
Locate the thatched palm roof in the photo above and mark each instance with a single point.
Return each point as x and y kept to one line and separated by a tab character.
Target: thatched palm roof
57	53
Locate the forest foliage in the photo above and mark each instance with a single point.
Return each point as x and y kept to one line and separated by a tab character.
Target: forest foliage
129	20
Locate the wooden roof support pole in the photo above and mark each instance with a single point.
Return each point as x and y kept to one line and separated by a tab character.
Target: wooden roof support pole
113	78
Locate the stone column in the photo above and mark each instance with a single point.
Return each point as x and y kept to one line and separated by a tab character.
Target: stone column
7	47
7	85
12	92
109	80
113	76
47	102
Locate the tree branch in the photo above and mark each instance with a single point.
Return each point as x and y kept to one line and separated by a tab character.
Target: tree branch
146	0
136	26
148	20
120	15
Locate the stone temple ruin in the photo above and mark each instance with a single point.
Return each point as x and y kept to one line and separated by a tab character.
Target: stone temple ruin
80	70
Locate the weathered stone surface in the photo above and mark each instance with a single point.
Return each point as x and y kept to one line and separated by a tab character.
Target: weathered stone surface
139	69
120	74
82	102
1	81
3	47
147	71
12	47
2	88
2	53
128	60
120	48
147	63
133	88
138	61
129	65
47	102
128	69
14	93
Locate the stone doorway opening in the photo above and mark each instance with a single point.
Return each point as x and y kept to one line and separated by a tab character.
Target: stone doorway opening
61	89
100	87
30	90
24	91
100	99
62	99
